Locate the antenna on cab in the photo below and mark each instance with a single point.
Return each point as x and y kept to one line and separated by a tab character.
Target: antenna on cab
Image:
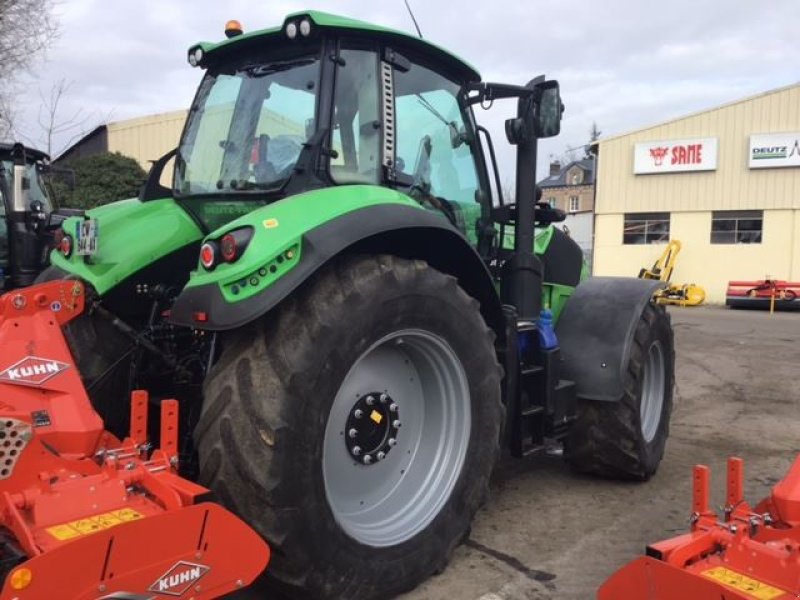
410	12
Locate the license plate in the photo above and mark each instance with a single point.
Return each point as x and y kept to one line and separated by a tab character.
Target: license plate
87	238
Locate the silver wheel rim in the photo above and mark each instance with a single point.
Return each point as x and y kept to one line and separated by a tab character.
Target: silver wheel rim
652	391
397	496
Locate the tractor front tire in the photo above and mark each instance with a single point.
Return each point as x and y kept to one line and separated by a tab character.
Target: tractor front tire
626	439
356	427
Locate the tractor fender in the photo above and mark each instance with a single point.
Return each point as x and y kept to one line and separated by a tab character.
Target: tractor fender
391	228
596	330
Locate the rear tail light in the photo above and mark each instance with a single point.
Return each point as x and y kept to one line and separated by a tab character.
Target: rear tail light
208	255
65	245
228	248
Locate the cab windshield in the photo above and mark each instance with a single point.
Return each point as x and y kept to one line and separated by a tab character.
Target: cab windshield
247	127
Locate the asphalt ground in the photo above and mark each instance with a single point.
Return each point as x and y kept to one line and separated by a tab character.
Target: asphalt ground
549	533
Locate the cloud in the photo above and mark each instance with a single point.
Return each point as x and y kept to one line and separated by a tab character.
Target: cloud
622	63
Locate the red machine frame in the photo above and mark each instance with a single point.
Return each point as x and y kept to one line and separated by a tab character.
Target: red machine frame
751	554
83	514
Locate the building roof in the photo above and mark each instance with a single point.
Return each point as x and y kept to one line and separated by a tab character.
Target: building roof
122	125
695	113
560	180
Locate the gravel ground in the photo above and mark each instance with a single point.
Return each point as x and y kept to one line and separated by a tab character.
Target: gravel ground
549	533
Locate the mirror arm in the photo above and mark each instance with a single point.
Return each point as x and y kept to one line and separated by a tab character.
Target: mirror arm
152	188
483	91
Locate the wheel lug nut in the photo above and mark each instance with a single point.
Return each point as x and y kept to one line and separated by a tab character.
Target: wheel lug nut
367	459
353	432
370	400
384	398
396	423
381	455
393	407
392	442
358	413
356	450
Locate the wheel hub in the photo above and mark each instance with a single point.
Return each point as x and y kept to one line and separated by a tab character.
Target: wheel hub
373	425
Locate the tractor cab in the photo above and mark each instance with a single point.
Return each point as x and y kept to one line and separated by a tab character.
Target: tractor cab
324	101
25	206
319	103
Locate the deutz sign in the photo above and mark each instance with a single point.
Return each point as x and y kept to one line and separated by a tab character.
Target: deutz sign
774	150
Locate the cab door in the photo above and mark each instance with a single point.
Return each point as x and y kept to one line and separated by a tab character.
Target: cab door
437	154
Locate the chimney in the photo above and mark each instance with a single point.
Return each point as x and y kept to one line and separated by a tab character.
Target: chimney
555	168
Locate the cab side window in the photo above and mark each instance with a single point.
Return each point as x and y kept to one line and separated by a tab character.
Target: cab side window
356	124
431	143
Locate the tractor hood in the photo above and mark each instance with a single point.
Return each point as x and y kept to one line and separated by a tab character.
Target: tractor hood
131	236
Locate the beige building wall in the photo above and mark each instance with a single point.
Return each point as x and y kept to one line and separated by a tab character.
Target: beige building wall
690	197
147	138
700	261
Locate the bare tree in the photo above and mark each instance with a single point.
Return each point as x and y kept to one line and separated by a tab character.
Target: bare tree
594	133
27	28
59	128
7	130
567	156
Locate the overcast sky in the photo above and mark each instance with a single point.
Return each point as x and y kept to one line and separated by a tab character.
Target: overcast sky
621	63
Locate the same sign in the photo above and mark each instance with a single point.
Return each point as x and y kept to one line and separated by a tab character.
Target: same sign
674	156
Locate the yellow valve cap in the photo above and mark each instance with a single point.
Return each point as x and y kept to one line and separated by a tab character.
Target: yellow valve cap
21	578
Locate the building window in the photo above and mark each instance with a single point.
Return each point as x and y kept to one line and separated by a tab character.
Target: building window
574	203
551	200
646	228
736	226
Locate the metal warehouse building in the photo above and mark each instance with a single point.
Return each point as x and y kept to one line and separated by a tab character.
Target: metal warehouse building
725	182
144	138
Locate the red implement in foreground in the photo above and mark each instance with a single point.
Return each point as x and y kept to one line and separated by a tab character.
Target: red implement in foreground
752	554
82	514
761	294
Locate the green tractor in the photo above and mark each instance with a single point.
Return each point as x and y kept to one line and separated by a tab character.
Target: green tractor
27	213
349	311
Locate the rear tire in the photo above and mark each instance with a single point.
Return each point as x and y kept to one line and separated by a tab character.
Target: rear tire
273	437
626	439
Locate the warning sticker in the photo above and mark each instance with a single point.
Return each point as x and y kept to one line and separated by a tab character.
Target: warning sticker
67	531
751	587
376	416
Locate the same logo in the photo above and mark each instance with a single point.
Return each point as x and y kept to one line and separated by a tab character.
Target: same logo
658	154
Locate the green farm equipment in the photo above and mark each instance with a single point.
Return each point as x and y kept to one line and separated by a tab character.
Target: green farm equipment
27	214
349	310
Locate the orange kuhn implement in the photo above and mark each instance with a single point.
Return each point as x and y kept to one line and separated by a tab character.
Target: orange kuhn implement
83	514
751	554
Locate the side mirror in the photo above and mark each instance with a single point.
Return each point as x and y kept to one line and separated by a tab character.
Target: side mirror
547	118
21	186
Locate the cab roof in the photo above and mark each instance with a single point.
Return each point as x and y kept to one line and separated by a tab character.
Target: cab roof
326	21
6	151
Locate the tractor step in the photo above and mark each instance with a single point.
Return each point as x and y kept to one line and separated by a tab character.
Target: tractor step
545	403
